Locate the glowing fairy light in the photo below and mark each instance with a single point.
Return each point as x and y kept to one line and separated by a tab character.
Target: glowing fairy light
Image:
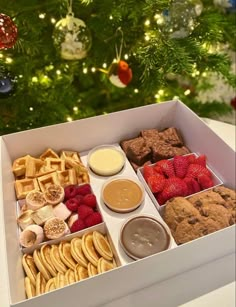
159	19
31	109
104	65
20	76
9	60
69	119
58	72
85	70
42	15
35	79
147	37
93	69
161	92
187	92
126	56
110	17
157	96
1	55
204	74
136	90
75	109
53	20
147	22
175	97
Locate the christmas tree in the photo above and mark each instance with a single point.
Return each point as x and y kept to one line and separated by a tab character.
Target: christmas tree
125	54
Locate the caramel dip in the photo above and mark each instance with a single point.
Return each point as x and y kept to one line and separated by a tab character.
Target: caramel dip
143	236
122	195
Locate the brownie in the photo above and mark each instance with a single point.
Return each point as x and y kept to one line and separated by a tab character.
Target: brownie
150	133
172	136
180	151
138	151
161	151
125	144
135	166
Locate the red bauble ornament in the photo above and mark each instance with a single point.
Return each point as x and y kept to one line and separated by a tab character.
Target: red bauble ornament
233	103
120	74
8	32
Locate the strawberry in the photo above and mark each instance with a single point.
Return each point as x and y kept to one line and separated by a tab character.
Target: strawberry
191	158
167	168
160	199
72	204
174	187
201	160
70	191
83	189
156	183
84	211
181	164
148	171
90	200
77	225
196	186
205	182
158	169
195	169
189	184
93	219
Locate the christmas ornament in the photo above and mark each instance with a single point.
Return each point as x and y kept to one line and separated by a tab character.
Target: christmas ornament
119	72
72	37
7	83
233	103
181	18
8	32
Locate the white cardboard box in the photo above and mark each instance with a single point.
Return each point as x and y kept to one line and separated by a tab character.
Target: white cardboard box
82	136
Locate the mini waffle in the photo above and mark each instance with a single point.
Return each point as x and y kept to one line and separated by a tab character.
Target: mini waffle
24	186
47	180
104	265
77	252
33	167
29	288
56	164
46	259
39	264
89	249
67	177
65	255
56	260
30	268
19	166
40	284
92	270
70	156
102	246
49	153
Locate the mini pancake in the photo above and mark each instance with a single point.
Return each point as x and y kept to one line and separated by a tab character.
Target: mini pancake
30	268
77	252
40	284
70	276
102	246
104	265
89	249
50	285
65	255
56	260
92	270
46	259
29	288
39	263
60	280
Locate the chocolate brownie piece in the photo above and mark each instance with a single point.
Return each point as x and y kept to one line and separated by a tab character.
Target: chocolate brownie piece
138	151
188	230
177	209
180	151
172	136
161	151
150	133
125	144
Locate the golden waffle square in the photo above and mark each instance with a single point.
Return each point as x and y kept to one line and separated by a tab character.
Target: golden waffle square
19	166
33	167
69	157
47	180
81	172
56	164
67	177
24	186
49	153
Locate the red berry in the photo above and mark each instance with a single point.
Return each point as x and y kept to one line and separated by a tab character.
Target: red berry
70	191
167	168
158	169
181	164
174	187
156	183
90	200
160	199
191	158
93	219
148	171
205	182
194	170
72	204
189	184
201	160
79	199
77	225
84	211
83	189
196	186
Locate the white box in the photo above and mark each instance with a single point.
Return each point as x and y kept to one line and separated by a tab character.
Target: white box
82	136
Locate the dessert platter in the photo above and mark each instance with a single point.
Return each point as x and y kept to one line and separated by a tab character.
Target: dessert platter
87	213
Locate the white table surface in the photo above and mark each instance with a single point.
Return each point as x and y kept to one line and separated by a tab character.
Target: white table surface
217	288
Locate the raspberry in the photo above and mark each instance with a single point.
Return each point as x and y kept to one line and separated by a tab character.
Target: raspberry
72	204
205	182
90	200
156	183
84	211
77	226
174	187
93	219
167	168
201	160
79	199
83	189
70	191
148	171
181	164
194	170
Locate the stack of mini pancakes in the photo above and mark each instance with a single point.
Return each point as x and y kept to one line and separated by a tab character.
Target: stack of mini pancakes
55	266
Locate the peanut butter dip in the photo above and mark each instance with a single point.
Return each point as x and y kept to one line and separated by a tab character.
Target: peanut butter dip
143	236
122	195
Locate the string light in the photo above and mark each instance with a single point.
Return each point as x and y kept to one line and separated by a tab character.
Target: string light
20	76
69	119
126	56
9	60
34	79
85	70
53	20
157	96
175	97
42	15
187	92
204	74
93	69
136	90
104	65
1	55
146	37
147	22
31	109
159	19
75	109
58	72
161	92
110	17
